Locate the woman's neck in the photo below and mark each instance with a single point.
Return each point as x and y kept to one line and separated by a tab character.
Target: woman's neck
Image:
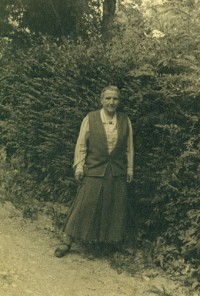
109	115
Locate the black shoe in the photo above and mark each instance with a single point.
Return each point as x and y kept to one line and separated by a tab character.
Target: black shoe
62	251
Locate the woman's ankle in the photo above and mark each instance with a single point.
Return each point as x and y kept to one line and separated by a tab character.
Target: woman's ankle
67	240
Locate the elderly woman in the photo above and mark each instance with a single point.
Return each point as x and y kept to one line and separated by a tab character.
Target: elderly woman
103	164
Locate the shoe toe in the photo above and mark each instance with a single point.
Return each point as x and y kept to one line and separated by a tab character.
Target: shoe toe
61	251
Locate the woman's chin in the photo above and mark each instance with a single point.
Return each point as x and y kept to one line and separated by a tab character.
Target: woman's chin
110	111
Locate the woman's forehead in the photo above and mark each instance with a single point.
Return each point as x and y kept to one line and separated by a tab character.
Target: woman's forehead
110	93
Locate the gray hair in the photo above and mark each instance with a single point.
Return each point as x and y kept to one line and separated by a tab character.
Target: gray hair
110	87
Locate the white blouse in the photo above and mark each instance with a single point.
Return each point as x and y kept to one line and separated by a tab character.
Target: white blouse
111	134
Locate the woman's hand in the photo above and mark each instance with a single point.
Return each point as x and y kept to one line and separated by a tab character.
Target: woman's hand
79	176
129	178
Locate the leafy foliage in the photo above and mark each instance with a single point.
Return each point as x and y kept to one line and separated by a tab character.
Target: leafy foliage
56	18
48	87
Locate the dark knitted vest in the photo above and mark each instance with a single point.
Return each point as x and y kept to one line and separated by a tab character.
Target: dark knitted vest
98	157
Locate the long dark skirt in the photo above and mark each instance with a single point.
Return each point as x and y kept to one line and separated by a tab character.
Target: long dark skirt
99	211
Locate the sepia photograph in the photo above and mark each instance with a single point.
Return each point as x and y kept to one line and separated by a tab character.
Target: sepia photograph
99	148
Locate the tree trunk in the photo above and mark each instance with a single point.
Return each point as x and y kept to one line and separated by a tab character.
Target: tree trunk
109	7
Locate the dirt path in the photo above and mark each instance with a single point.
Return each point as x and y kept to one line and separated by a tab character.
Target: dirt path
28	267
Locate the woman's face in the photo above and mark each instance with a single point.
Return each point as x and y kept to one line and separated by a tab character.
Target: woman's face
110	101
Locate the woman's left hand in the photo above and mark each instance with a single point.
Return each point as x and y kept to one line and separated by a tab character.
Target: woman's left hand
129	178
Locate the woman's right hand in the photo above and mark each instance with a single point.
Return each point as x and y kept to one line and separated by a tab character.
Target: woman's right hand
79	176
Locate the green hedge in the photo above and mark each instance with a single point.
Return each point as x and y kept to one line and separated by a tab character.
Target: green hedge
47	89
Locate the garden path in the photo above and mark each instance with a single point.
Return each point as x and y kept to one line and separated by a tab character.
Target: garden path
28	267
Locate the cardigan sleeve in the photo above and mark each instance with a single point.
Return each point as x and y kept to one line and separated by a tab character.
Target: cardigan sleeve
130	149
81	146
